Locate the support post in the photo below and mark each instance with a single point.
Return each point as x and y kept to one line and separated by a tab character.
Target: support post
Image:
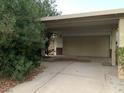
121	44
113	41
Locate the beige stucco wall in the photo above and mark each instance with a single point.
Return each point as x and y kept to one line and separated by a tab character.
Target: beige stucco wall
59	40
121	44
96	46
121	32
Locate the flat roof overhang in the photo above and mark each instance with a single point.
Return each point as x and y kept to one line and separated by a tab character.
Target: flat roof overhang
108	18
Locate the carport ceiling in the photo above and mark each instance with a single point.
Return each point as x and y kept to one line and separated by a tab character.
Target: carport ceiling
81	23
101	19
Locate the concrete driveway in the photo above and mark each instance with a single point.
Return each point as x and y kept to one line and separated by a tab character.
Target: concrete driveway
69	77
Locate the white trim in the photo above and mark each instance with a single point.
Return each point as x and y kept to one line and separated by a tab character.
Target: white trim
88	14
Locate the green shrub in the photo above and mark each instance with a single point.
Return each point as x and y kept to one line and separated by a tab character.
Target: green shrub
120	57
16	58
21	35
22	67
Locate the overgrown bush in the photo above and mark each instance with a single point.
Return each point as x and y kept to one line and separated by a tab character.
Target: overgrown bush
120	57
21	35
17	57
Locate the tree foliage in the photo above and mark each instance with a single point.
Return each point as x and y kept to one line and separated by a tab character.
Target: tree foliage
21	35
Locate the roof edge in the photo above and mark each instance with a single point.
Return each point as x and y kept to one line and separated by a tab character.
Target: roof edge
87	14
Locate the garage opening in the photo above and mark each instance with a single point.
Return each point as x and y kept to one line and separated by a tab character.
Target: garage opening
90	46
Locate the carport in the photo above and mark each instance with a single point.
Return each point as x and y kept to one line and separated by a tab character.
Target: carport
95	34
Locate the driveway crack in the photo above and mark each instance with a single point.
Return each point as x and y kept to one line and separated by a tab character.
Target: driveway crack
53	77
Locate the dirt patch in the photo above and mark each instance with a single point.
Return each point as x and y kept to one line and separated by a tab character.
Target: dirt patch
6	83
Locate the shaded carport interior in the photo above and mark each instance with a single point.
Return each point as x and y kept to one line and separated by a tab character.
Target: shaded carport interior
94	28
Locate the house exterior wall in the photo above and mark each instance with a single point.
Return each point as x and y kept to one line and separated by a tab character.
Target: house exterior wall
94	46
96	43
59	41
121	33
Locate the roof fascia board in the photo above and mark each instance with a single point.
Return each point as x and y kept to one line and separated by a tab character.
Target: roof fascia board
89	14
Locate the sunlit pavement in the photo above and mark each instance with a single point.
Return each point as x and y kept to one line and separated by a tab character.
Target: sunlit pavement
72	77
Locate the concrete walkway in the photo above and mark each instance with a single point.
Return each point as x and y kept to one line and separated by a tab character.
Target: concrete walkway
69	77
